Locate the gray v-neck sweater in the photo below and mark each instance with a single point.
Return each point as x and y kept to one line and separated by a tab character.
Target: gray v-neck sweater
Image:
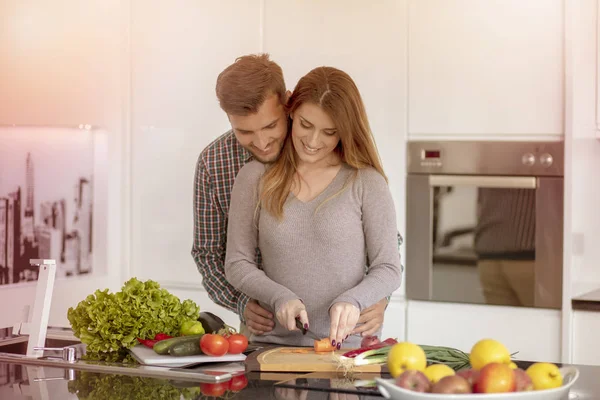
316	254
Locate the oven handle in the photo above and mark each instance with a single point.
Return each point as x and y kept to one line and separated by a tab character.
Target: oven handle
512	182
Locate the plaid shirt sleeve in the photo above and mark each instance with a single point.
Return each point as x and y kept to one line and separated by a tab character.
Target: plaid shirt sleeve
208	250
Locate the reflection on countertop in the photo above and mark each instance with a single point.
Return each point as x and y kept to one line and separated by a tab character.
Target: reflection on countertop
19	380
23	382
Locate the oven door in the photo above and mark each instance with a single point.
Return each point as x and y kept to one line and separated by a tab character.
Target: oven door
485	239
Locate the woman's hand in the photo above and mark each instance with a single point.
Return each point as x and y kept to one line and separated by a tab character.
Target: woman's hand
287	313
344	317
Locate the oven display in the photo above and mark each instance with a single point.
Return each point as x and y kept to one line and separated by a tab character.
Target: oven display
431	154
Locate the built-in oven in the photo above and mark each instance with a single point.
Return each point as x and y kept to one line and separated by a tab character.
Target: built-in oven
485	222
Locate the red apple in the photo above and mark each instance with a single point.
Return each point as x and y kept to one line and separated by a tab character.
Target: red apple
523	381
452	384
496	378
413	380
470	375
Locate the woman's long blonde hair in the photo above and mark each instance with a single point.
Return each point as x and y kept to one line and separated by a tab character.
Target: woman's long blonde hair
336	93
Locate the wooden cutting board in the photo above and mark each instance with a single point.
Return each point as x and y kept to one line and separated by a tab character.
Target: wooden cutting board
284	359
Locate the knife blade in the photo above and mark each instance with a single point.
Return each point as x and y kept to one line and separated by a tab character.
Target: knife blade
308	332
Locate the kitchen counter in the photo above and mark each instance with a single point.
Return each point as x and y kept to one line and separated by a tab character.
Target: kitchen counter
589	301
25	379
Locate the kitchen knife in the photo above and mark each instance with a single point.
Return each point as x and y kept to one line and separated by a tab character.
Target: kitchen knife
310	333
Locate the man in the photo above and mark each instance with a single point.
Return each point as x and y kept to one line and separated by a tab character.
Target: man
252	93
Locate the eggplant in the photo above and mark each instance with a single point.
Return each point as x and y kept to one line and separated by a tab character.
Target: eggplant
211	322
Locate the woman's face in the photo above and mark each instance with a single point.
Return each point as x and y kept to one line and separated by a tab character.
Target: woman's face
314	134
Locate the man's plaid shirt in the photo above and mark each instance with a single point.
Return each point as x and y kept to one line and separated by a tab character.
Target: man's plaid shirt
216	169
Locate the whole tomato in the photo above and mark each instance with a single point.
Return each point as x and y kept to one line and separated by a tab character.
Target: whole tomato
238	382
214	345
214	389
238	343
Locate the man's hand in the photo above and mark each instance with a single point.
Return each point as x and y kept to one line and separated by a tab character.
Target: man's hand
258	320
371	319
287	313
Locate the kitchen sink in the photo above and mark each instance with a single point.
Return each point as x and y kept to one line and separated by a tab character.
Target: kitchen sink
55	338
18	346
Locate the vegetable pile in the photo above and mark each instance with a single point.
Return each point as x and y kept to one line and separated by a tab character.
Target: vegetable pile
110	323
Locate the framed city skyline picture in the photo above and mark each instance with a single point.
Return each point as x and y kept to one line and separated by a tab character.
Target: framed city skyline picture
46	201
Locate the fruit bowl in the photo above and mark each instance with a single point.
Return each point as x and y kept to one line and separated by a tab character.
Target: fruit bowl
390	390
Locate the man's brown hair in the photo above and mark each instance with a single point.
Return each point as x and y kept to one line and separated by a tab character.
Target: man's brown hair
244	85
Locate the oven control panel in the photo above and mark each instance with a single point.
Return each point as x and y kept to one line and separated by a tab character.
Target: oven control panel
486	157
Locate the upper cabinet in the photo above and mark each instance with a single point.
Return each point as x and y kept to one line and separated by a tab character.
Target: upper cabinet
486	68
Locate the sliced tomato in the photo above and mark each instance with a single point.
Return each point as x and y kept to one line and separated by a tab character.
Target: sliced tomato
214	345
323	345
238	343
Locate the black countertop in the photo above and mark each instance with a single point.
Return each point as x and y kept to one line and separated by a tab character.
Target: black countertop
21	381
588	302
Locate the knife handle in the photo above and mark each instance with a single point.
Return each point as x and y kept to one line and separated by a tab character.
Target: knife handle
300	326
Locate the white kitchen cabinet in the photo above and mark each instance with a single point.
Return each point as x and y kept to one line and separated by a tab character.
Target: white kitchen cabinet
178	49
533	333
486	68
586	325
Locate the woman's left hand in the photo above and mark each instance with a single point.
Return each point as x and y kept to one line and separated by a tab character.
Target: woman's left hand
344	317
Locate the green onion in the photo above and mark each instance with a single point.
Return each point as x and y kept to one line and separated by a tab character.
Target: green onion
454	358
375	356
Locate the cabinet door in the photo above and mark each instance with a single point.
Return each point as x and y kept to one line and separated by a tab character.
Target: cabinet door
586	325
486	68
533	333
178	49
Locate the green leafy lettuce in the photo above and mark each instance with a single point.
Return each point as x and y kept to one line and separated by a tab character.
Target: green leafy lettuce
110	323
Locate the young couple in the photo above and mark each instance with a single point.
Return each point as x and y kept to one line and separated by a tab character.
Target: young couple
293	217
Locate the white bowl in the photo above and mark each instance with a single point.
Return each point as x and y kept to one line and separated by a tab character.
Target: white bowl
390	390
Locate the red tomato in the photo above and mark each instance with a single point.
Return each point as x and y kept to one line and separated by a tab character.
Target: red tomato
214	389
237	343
238	382
214	345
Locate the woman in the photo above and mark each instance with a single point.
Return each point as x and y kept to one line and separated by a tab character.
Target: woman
319	214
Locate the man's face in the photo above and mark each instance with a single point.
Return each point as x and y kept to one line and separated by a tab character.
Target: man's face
263	133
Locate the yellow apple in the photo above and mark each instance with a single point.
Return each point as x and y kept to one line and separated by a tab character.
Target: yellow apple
406	356
544	375
487	351
435	372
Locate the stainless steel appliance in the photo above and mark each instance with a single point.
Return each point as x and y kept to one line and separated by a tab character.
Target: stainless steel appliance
485	222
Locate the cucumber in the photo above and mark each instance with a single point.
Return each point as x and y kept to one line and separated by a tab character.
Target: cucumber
163	346
189	348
